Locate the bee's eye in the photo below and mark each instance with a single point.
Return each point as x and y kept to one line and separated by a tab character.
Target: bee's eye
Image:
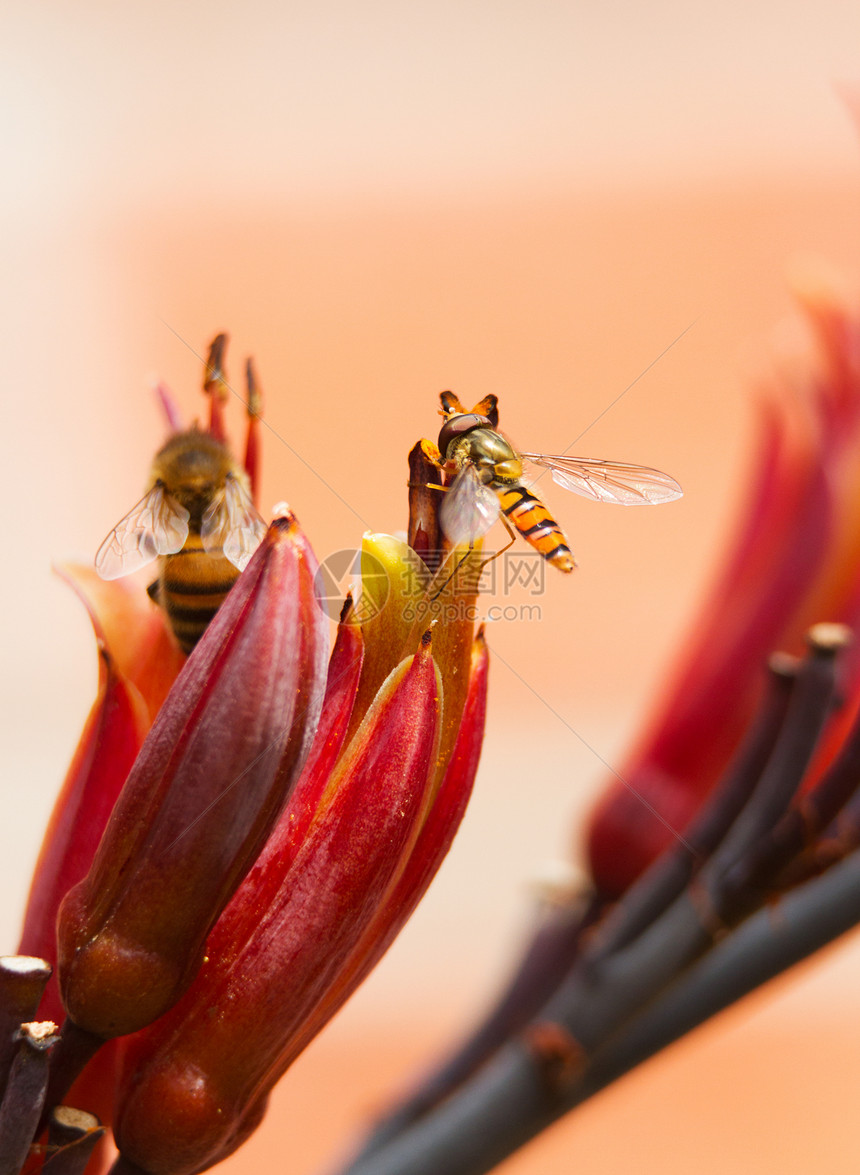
454	428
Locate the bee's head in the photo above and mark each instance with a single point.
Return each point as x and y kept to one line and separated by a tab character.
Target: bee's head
192	466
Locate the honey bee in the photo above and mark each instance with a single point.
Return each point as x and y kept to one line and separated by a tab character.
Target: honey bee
485	476
198	518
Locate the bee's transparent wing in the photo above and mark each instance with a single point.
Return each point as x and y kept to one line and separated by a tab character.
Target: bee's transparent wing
610	481
157	525
469	508
232	526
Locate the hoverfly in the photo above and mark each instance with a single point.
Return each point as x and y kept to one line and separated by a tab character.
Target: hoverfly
485	475
197	516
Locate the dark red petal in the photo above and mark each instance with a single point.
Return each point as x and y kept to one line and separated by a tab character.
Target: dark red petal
209	783
194	1076
111	739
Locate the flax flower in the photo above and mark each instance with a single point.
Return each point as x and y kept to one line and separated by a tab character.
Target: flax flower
794	560
227	862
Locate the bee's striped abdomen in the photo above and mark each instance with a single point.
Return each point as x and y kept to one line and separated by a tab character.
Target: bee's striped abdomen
191	589
535	523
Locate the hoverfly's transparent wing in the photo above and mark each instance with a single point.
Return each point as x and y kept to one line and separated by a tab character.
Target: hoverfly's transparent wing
157	525
610	481
469	508
232	526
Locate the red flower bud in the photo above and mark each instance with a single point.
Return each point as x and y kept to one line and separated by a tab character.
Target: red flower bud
192	1080
793	563
206	788
432	844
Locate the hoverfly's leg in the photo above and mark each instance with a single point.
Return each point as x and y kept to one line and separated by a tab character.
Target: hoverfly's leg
252	439
506	547
426	485
444	490
216	387
437	594
486	562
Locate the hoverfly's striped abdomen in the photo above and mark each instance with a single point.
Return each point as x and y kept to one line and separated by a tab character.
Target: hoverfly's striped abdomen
191	589
535	523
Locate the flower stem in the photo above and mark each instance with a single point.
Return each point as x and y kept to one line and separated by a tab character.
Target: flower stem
651	947
658	887
75	1049
510	1102
25	1094
22	981
72	1137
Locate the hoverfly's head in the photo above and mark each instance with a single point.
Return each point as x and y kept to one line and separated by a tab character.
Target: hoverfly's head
455	427
469	439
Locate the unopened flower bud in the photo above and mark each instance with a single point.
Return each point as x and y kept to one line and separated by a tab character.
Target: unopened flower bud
193	1078
205	790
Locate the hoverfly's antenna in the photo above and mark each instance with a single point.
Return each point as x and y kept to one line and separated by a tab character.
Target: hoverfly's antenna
489	407
451	406
215	386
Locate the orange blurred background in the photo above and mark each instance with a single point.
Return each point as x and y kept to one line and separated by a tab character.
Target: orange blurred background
586	211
